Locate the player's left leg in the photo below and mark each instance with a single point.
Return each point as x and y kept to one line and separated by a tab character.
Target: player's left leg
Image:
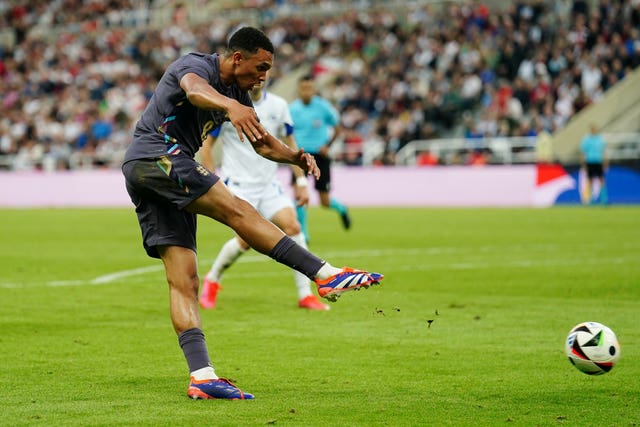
182	275
169	233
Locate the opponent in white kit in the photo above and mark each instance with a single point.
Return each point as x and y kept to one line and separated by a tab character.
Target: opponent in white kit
253	178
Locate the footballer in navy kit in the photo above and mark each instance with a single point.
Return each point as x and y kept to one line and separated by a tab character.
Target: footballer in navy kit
169	188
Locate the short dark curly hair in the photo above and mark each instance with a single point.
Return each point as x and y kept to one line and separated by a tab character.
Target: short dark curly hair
306	78
250	39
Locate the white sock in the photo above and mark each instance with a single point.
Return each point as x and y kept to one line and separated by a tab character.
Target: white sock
206	373
327	270
302	282
229	253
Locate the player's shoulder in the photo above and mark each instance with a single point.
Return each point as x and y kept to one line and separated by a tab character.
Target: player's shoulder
274	99
202	64
196	57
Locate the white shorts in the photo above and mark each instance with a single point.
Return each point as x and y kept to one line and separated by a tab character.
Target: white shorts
267	199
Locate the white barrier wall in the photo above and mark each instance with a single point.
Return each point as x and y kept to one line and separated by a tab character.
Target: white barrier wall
382	186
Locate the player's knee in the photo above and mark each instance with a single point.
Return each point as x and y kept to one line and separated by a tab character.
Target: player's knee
291	228
236	212
186	284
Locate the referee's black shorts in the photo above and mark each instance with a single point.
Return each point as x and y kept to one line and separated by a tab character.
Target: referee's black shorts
324	164
594	170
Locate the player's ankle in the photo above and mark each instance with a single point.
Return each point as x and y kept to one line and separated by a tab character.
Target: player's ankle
326	271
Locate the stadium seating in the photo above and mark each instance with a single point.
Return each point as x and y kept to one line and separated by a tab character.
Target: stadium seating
75	74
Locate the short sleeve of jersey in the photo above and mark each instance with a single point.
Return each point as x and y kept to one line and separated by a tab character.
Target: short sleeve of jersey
194	63
216	132
274	115
287	121
288	129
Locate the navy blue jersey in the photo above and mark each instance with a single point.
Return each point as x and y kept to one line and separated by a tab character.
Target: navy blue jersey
170	123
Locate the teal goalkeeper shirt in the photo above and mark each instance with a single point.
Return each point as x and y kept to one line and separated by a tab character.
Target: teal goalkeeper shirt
313	123
592	146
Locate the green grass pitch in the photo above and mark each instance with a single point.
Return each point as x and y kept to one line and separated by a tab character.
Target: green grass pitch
468	327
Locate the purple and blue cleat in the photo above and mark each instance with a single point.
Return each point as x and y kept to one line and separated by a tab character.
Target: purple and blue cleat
220	388
347	280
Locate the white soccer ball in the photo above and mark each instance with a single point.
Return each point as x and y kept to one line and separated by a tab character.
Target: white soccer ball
592	348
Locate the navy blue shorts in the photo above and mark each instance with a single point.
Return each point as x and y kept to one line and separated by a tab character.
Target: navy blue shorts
160	189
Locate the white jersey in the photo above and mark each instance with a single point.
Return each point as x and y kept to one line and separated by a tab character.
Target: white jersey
240	163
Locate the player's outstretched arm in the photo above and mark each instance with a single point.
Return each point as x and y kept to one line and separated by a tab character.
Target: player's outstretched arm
203	96
273	149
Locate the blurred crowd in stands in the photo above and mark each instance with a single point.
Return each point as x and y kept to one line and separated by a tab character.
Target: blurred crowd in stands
75	74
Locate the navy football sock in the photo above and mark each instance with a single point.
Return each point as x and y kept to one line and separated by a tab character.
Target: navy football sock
287	252
194	349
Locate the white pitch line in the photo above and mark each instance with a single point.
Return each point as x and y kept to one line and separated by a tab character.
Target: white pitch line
108	278
255	257
102	280
115	276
